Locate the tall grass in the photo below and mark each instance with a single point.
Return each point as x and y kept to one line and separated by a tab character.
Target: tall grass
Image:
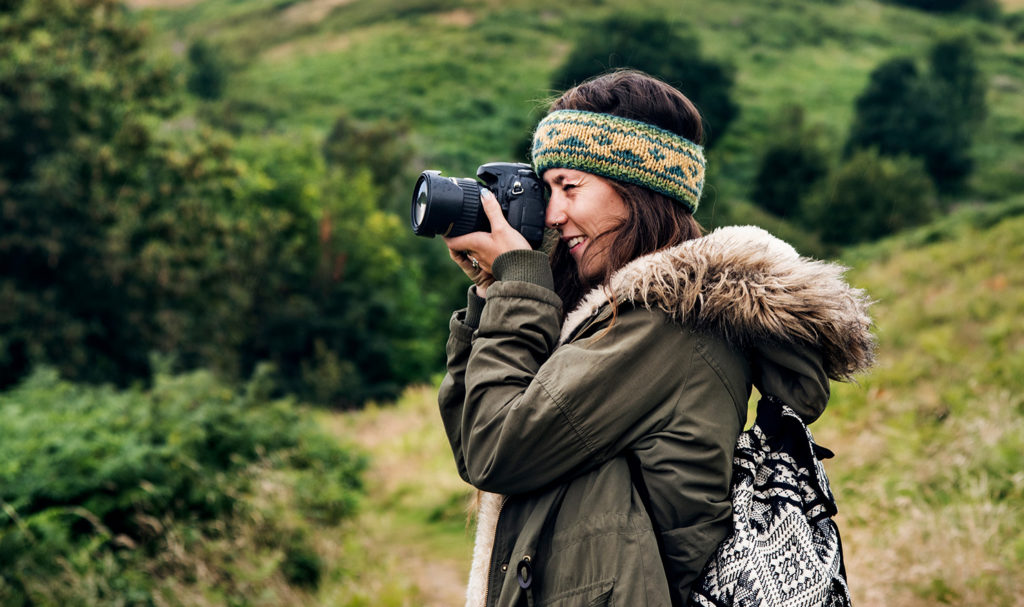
411	544
931	444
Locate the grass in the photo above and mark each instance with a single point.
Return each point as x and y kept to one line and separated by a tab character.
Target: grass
411	544
931	444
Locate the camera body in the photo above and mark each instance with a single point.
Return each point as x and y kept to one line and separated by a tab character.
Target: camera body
450	206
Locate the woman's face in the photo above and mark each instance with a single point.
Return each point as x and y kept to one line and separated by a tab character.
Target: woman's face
582	206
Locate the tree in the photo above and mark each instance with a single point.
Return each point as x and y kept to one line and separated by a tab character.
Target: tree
929	115
870	196
208	72
77	97
382	148
128	231
793	163
652	45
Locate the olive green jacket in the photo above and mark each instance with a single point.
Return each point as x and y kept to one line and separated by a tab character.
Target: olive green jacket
545	415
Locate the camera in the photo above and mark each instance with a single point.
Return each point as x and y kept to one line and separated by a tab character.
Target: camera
450	206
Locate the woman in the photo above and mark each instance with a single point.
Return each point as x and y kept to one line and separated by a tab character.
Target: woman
632	351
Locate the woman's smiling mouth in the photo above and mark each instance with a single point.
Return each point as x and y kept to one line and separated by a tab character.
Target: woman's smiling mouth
575	241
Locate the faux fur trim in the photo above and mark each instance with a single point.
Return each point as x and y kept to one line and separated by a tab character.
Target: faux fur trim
749	287
488	509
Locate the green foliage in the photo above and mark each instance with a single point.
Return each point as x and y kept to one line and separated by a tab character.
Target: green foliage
793	163
652	44
931	115
98	478
77	92
125	232
381	148
983	8
870	196
208	71
341	309
302	566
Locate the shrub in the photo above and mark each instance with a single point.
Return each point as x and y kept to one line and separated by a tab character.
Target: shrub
208	71
870	196
931	115
790	167
982	8
94	479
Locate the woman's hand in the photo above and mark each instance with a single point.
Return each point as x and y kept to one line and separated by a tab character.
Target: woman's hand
481	279
475	252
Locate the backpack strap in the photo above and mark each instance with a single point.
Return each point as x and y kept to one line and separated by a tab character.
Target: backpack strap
786	432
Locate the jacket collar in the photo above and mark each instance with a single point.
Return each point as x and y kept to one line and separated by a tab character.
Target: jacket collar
751	288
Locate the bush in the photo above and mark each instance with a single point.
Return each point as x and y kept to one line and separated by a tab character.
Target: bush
652	45
982	8
871	196
94	479
790	167
208	71
930	115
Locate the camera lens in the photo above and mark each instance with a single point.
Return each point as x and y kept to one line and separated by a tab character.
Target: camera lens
446	205
419	206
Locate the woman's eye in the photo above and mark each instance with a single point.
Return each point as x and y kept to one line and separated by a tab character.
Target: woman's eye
568	186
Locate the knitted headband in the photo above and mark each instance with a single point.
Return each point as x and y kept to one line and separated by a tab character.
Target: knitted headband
621	149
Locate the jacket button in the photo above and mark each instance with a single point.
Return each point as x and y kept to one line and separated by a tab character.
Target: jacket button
504	567
524	571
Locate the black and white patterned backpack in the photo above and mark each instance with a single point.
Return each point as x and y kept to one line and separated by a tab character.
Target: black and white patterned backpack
784	549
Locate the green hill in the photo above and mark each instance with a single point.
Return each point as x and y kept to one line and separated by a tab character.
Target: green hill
467	77
931	444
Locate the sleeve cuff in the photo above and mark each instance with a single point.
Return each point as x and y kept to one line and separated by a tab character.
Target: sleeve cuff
474	308
525	266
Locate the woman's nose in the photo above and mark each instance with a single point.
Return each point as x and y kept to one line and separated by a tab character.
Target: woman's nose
554	216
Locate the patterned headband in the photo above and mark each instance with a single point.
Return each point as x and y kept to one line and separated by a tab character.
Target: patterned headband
621	149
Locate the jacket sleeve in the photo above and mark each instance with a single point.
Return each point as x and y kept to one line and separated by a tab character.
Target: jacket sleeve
452	392
532	414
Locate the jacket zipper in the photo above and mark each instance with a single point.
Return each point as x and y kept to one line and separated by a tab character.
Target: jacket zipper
497	522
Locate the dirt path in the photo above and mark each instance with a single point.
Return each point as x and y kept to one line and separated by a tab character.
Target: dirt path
413	556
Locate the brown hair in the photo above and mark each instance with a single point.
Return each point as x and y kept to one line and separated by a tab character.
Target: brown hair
654	221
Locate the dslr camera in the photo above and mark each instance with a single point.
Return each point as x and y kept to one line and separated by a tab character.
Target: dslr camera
450	206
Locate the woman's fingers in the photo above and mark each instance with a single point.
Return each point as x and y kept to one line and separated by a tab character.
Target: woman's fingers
493	210
474	241
485	247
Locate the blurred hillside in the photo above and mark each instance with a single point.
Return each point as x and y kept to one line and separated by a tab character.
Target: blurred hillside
287	134
469	78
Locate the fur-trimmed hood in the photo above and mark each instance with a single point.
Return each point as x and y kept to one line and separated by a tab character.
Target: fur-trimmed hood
799	318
